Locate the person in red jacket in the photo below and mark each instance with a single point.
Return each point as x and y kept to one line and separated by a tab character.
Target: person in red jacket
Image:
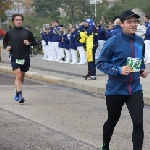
2	33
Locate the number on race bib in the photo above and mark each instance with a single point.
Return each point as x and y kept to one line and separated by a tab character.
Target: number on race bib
20	61
135	63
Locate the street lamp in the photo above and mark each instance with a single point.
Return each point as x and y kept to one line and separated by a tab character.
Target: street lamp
19	4
95	2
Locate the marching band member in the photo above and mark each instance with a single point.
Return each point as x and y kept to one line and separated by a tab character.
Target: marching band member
43	34
61	44
65	39
55	41
101	39
72	46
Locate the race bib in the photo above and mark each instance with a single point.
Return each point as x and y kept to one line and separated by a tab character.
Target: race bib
134	63
20	61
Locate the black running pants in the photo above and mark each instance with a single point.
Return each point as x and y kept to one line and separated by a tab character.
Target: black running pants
135	106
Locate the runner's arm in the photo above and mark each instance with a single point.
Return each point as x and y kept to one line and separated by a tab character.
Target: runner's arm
32	39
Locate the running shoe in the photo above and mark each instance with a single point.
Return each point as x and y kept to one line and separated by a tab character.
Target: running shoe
21	100
101	148
16	97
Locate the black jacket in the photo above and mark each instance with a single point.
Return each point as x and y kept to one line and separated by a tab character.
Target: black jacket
15	38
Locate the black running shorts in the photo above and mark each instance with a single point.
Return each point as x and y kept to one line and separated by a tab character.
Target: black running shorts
23	67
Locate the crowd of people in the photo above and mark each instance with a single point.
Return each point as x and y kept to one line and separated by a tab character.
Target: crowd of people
67	45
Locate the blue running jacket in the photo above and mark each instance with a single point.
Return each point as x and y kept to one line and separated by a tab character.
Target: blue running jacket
113	56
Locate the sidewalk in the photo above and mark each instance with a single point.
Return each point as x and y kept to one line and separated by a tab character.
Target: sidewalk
68	75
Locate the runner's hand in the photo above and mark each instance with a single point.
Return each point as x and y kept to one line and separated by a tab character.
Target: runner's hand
144	74
26	42
8	48
126	70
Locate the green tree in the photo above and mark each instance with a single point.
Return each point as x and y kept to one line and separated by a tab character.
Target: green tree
75	10
144	5
4	5
122	5
45	8
101	9
110	13
48	10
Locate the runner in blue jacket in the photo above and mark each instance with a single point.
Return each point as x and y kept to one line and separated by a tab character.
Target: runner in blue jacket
112	59
121	58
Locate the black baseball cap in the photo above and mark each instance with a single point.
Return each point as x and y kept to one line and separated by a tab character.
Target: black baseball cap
127	14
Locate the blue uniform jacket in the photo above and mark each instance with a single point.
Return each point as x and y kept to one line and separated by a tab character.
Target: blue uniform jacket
102	33
147	24
61	43
147	34
55	34
50	36
117	29
66	42
43	35
109	33
95	40
72	44
46	38
113	56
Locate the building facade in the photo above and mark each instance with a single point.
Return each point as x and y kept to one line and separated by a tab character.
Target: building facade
19	7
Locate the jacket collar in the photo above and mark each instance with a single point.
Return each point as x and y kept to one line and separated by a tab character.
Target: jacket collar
127	37
117	27
18	28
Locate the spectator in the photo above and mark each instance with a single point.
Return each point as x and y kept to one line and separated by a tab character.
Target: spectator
146	20
2	33
141	29
117	28
91	46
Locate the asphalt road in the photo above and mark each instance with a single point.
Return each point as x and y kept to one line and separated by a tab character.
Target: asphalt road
9	80
59	118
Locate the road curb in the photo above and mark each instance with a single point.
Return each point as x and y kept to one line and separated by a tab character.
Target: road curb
80	86
6	70
64	82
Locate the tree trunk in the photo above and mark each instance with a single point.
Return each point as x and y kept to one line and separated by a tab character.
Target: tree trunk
0	22
72	15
